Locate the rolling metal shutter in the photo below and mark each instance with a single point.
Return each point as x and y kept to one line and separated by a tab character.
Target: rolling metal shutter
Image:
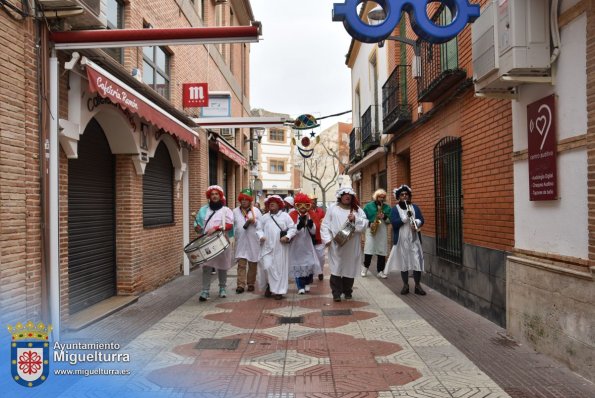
91	221
158	189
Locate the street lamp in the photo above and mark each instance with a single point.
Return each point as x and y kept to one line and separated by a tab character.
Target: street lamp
377	16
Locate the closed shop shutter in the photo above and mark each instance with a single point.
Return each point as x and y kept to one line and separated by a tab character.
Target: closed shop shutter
158	189
91	221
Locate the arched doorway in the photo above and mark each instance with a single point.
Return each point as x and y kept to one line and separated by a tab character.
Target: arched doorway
91	221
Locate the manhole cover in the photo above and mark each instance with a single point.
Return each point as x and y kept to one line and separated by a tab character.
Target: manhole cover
336	312
217	344
290	319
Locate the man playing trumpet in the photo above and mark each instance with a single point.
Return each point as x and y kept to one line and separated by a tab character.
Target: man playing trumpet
378	214
407	253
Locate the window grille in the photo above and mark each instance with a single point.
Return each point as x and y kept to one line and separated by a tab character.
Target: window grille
448	199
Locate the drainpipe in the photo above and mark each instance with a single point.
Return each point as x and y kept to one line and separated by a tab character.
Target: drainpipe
54	238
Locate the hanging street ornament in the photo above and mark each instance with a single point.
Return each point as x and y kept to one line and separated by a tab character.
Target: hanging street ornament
305	122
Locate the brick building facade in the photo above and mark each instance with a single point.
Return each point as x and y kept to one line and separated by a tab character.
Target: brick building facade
128	181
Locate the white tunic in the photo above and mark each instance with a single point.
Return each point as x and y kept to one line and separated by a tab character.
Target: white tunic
247	243
377	244
407	254
344	261
274	255
222	216
303	259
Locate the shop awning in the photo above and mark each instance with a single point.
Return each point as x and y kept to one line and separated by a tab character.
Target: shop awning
110	87
231	152
372	156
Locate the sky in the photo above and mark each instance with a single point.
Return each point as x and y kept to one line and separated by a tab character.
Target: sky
299	66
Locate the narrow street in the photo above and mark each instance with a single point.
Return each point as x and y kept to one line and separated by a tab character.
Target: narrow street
380	344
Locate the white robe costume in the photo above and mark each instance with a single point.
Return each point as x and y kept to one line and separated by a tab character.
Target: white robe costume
221	217
273	267
344	261
303	259
407	254
247	241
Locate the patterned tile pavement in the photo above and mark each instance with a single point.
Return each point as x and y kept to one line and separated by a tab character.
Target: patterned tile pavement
381	349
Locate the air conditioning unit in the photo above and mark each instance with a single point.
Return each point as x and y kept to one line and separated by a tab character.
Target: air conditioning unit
90	16
226	133
511	46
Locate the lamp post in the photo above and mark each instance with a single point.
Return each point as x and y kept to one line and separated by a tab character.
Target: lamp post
377	16
255	135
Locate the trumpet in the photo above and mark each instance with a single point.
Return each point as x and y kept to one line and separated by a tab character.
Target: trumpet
411	216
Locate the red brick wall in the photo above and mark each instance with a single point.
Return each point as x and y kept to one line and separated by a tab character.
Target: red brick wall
20	228
485	129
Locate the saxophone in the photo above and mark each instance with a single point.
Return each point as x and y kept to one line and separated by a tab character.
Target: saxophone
374	225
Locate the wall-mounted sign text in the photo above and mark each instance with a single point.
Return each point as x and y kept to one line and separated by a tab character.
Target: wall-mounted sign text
542	149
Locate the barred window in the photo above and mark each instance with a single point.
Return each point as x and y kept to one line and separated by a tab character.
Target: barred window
448	199
158	189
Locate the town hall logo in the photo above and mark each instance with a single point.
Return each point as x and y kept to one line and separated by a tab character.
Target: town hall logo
29	353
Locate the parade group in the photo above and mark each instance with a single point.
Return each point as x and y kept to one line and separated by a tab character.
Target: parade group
289	238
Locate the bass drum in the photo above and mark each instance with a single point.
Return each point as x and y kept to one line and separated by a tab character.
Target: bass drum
206	247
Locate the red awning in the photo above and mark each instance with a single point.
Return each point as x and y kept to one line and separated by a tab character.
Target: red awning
231	152
118	92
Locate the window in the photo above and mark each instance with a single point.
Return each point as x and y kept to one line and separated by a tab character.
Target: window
156	66
448	195
213	161
113	11
277	166
276	135
158	189
382	180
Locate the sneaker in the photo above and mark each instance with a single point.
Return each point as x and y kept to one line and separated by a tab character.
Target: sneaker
239	290
222	292
337	299
213	271
419	290
364	272
348	296
307	288
278	296
405	289
204	295
250	288
382	275
302	291
320	277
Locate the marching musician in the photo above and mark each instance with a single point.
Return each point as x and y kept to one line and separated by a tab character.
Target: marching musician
247	243
210	219
303	259
275	230
407	253
378	214
318	245
344	261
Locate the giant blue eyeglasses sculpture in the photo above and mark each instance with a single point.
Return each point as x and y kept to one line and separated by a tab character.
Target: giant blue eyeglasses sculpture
462	11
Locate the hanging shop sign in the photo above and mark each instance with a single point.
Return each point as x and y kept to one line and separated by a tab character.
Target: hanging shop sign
195	95
542	149
422	25
219	106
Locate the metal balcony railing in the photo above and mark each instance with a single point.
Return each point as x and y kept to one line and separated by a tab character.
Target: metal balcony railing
354	153
395	109
439	63
370	133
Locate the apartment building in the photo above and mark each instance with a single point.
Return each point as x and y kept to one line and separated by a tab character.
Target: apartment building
131	165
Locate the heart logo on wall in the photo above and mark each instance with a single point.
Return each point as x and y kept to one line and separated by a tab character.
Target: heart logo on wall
542	123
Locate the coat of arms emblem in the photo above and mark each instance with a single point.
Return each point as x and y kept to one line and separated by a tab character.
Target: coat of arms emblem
29	353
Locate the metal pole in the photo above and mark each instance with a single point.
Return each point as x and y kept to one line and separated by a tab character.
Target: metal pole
54	199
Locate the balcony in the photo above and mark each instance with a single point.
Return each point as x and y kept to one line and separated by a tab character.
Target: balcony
370	133
439	63
354	153
395	109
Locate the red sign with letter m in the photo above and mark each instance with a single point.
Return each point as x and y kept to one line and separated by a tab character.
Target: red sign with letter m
195	95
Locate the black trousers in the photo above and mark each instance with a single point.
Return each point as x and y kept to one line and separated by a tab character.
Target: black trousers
341	285
416	277
380	262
